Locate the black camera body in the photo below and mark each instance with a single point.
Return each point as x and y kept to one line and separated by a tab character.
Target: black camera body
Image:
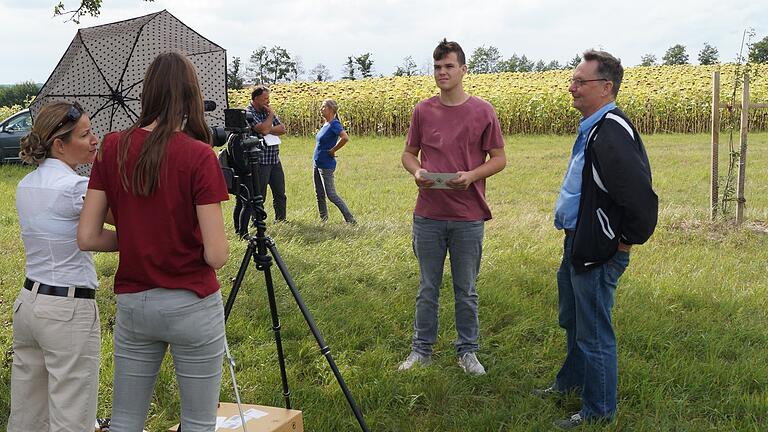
243	147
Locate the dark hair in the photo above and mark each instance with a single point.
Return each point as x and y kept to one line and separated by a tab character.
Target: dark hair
50	123
258	90
172	97
444	48
608	67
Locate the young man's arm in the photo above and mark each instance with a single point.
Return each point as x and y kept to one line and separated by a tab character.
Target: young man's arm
410	160
495	163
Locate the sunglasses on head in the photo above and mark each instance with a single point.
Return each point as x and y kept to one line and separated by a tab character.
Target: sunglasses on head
73	114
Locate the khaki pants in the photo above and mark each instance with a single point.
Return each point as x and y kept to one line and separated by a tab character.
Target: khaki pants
55	373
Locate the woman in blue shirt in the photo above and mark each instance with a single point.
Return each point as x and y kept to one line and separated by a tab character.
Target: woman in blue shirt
330	139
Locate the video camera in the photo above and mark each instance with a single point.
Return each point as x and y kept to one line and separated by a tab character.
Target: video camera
241	143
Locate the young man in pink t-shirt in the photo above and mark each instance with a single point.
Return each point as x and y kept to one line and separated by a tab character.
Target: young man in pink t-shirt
459	134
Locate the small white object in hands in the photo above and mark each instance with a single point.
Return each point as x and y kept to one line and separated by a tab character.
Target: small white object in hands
271	140
440	179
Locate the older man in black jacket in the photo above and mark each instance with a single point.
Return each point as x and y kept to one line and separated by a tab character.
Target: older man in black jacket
606	204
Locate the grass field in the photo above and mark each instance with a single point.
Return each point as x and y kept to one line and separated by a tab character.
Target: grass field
691	311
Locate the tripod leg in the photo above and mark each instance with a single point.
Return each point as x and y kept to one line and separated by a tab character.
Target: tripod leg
263	263
324	349
278	337
238	280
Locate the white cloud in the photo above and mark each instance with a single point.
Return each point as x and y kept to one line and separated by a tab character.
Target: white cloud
327	32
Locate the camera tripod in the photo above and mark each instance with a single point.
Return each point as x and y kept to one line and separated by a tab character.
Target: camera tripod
257	251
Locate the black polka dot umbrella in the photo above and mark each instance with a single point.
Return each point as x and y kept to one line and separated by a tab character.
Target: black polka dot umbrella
104	66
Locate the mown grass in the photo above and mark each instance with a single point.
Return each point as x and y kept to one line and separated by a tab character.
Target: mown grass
691	311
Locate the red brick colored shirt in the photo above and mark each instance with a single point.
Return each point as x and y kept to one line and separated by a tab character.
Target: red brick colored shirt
451	139
159	236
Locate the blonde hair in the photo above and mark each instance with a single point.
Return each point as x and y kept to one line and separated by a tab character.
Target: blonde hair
330	103
36	145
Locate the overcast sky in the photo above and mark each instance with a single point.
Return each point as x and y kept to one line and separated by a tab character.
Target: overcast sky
32	41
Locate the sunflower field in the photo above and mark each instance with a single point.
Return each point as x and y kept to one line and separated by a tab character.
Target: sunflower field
657	98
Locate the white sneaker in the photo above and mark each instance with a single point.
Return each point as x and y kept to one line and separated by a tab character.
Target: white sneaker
470	364
414	359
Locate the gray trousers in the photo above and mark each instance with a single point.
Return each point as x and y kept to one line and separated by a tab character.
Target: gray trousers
147	323
326	186
432	240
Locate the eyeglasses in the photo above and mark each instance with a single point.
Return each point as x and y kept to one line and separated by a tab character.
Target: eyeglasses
580	82
73	114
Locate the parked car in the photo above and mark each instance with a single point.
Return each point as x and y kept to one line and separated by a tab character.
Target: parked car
12	130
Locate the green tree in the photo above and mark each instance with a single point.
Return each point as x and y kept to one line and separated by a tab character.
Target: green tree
511	64
758	51
235	75
675	55
349	72
365	65
257	70
525	65
554	65
87	7
518	64
574	62
708	55
647	60
408	68
278	65
320	73
484	60
18	94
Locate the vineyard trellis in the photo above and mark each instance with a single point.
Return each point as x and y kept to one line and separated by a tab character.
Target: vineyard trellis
741	155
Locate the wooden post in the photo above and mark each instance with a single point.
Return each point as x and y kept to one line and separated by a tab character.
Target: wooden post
743	151
714	188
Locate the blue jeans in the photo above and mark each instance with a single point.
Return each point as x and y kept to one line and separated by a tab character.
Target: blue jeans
147	323
432	240
591	363
325	186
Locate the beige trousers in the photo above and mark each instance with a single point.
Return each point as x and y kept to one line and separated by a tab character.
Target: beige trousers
55	372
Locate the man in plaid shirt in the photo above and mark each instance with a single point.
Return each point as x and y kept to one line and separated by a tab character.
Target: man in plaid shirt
270	169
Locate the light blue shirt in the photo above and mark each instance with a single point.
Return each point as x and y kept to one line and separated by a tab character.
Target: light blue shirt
567	206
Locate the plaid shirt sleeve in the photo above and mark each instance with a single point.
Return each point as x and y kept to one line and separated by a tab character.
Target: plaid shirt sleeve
268	155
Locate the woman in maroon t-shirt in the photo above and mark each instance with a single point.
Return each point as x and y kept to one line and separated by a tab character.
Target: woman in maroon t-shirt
163	184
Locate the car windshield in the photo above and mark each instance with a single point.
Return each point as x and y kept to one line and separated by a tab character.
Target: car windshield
20	123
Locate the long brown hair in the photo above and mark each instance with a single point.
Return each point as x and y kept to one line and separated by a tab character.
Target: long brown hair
171	96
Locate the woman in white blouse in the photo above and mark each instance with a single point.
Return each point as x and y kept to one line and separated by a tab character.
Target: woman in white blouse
56	329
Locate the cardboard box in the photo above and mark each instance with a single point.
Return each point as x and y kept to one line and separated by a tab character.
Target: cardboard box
258	418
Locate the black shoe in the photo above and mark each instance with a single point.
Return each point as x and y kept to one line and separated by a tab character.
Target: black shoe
548	393
569	423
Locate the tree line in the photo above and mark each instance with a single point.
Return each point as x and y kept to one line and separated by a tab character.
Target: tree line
678	55
277	65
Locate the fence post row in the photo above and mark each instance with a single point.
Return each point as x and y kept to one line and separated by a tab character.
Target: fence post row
714	193
744	130
743	151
